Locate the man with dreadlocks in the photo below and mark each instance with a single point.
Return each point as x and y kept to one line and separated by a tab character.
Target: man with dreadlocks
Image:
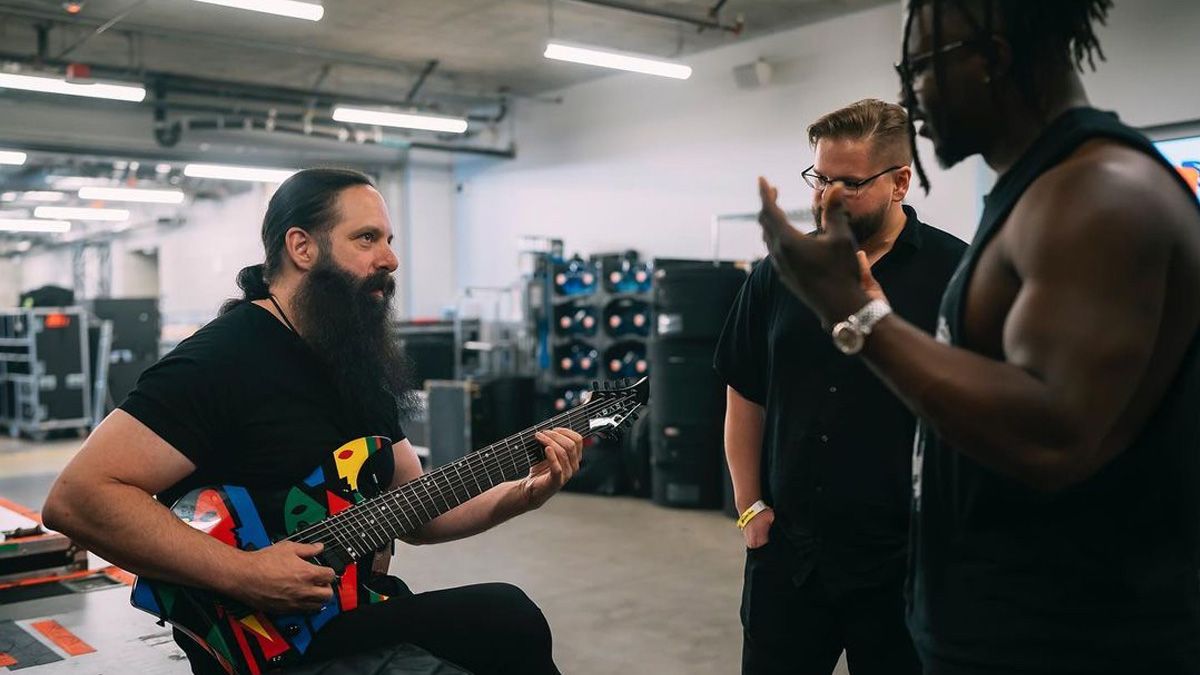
1056	469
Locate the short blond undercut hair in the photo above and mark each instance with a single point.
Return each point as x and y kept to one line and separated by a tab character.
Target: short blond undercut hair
884	124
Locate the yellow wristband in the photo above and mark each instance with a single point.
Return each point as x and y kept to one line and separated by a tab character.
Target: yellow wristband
751	511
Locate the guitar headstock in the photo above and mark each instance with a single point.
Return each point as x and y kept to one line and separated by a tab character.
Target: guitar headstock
616	404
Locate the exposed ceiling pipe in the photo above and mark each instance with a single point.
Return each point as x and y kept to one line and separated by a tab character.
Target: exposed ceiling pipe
711	23
191	155
302	125
100	29
199	37
429	67
186	84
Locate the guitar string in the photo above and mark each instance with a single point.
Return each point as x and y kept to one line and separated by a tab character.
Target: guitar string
492	463
489	459
495	462
360	517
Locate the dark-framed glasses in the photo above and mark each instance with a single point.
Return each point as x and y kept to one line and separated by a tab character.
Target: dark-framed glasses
912	66
852	187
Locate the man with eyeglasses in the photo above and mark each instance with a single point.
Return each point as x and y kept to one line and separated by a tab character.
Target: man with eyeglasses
817	447
1056	472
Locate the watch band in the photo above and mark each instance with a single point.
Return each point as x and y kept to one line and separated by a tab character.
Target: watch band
866	318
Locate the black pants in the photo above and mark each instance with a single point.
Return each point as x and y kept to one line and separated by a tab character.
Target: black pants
802	629
488	629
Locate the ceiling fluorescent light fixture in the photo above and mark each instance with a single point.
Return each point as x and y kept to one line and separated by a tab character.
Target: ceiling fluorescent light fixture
385	118
41	196
57	85
140	195
27	225
72	183
231	172
617	60
12	157
71	213
297	10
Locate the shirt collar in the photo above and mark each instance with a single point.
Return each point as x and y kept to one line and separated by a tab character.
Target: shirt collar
911	234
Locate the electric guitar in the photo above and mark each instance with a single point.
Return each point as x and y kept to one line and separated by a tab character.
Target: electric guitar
343	504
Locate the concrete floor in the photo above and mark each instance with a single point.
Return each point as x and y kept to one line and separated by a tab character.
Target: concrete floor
627	586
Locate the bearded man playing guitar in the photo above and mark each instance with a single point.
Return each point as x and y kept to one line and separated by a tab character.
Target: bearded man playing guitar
258	398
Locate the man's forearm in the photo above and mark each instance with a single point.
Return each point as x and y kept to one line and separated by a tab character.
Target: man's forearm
991	411
130	529
743	448
484	512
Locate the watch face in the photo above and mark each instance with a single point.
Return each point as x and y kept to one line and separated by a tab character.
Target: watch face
847	338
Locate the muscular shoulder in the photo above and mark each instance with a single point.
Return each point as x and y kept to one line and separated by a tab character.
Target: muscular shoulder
1106	199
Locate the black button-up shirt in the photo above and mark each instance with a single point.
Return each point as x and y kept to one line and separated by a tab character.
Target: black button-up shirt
837	445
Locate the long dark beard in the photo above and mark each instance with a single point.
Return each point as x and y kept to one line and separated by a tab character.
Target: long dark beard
348	328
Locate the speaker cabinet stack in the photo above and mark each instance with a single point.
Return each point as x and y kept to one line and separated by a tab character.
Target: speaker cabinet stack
691	302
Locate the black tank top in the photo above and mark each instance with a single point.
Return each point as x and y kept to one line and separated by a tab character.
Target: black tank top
1099	578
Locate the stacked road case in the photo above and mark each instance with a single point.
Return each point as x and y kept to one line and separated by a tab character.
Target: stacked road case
45	378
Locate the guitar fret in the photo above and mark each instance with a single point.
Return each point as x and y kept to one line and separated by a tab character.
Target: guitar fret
370	525
477	485
445	489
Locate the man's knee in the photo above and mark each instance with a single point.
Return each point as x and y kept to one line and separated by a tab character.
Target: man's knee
512	607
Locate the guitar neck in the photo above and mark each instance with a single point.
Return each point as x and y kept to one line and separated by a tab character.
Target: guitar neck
370	525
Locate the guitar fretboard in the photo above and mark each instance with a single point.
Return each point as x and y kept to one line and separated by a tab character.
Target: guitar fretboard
372	525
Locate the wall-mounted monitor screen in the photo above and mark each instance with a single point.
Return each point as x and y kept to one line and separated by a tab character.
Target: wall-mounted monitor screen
1184	153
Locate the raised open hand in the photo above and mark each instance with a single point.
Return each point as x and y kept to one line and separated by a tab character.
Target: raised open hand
822	269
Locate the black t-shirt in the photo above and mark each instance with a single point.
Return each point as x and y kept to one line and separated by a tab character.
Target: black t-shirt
836	443
1098	578
248	402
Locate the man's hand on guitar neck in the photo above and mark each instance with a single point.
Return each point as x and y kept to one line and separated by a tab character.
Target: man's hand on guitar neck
281	579
564	448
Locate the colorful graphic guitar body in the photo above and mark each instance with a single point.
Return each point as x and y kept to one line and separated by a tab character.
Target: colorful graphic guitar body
342	504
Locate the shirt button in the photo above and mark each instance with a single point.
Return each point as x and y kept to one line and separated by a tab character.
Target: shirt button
824	438
833	390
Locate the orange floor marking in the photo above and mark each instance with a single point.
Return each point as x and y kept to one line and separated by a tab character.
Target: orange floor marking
65	639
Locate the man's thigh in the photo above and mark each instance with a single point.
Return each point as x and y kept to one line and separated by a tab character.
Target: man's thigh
877	639
786	628
482	627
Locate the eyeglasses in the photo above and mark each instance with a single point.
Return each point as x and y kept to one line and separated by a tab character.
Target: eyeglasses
912	66
852	187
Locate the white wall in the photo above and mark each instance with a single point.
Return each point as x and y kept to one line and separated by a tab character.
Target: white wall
10	282
428	231
1150	75
198	261
134	269
48	268
644	162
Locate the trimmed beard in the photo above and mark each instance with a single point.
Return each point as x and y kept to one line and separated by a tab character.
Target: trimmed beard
348	329
864	227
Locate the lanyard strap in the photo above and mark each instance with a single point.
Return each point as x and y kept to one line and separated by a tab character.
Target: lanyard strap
282	315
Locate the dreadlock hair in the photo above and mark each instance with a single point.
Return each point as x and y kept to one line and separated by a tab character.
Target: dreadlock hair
1040	31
